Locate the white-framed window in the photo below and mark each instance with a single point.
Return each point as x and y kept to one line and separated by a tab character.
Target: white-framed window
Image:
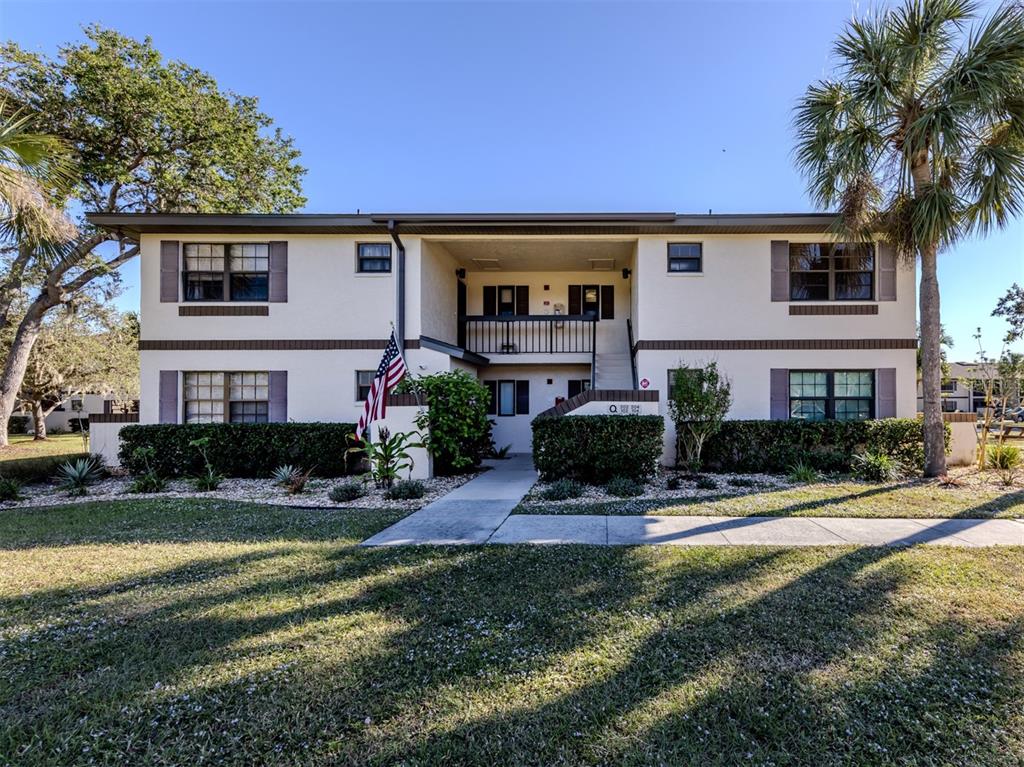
364	379
222	397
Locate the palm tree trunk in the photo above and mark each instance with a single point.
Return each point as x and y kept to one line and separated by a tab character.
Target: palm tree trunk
38	420
931	365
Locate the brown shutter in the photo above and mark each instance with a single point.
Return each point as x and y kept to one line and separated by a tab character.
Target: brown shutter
522	300
278	290
779	394
169	271
277	407
576	299
490	300
607	302
780	270
492	388
522	397
168	396
885	393
886	272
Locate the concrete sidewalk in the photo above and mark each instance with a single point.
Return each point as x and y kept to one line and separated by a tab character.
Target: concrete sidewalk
468	514
756	531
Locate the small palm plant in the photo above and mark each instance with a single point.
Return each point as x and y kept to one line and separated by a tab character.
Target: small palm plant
74	477
389	455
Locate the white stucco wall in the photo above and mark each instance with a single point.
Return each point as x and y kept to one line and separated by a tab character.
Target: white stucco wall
438	288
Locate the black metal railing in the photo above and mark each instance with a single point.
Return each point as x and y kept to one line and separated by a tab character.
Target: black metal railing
531	334
632	352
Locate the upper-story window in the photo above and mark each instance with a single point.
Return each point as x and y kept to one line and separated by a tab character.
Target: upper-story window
226	272
373	257
685	257
822	271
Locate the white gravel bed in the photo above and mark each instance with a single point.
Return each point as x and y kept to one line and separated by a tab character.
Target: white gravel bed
655	488
251	490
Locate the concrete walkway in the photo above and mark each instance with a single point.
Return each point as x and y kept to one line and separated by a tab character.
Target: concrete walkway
470	513
756	531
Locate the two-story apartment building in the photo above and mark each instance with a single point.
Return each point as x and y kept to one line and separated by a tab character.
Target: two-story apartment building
283	317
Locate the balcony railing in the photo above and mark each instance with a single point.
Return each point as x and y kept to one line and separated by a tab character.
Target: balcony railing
530	334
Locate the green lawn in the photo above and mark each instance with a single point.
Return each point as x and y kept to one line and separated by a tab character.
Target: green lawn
841	499
24	446
204	632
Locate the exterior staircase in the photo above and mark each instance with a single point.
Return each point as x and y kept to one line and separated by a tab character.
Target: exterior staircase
612	365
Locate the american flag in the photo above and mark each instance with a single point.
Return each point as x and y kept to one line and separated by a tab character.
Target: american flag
390	371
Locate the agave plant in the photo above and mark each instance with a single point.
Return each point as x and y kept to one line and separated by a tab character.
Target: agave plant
76	476
291	478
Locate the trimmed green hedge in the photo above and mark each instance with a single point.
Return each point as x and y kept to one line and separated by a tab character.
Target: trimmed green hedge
241	449
37	468
596	448
828	446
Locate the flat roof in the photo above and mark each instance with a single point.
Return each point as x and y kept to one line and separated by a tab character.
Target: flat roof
135	224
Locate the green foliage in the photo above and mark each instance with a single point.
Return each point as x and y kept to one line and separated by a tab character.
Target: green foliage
501	452
10	489
38	468
873	466
149	481
389	455
347	491
674	482
595	448
74	477
455	422
706	483
291	478
406	490
827	446
624	487
1002	457
697	404
209	478
1011	308
803	473
562	490
17	424
740	482
242	449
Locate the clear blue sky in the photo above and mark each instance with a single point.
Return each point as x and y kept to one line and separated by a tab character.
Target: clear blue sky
528	107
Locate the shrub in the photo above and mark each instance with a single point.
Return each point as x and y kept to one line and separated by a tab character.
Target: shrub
697	403
209	478
803	473
740	482
827	446
291	478
17	424
347	491
706	483
76	476
10	489
406	490
624	487
673	482
562	490
240	449
455	421
39	469
147	482
1002	457
595	448
389	455
873	466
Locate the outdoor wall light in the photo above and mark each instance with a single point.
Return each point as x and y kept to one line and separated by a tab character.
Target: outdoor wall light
460	273
626	272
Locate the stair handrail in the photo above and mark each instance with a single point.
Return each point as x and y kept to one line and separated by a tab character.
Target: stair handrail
593	355
632	351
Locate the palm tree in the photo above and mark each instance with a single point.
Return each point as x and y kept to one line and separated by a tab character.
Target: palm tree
35	173
919	139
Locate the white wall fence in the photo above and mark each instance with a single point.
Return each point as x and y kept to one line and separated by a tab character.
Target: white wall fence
105	434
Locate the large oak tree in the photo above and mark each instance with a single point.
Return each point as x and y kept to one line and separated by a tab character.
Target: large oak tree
149	136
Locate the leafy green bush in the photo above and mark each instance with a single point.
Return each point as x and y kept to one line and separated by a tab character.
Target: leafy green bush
17	424
147	482
10	489
873	466
406	490
240	449
1003	457
740	482
595	448
827	446
457	429
706	483
624	487
803	473
38	469
674	482
562	490
347	491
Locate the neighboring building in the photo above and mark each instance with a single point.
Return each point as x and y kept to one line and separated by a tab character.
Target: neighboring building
963	390
283	317
64	417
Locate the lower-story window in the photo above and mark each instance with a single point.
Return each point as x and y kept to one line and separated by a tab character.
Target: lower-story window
508	397
578	386
843	395
218	397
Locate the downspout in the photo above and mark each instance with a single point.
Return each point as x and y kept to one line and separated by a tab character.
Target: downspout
400	306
